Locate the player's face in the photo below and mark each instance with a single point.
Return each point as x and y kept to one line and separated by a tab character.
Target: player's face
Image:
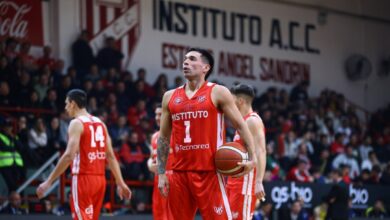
193	65
69	107
158	112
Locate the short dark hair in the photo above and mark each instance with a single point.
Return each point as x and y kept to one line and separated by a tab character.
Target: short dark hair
207	57
78	96
243	89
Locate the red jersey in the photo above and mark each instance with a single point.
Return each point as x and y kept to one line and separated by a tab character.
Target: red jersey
91	158
197	129
246	183
154	151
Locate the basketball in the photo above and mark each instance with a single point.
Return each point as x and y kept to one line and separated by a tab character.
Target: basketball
227	157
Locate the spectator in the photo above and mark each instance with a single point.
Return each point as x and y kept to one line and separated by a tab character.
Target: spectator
365	148
23	89
371	161
50	101
109	56
93	74
385	179
82	54
14	206
29	62
347	158
337	198
120	131
264	212
337	146
377	211
46	59
11	163
37	140
319	211
299	93
55	142
5	94
295	212
10	48
122	95
300	173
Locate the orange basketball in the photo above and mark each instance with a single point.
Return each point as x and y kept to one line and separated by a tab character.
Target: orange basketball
227	157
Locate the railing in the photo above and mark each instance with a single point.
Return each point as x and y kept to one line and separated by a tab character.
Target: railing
35	175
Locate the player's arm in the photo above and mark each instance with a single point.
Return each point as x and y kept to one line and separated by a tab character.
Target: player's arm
256	127
163	144
123	190
224	100
74	132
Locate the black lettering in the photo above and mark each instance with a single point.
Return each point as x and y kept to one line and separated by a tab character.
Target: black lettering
264	74
291	28
154	15
241	18
205	20
228	36
194	10
276	34
181	25
166	15
255	30
308	48
214	13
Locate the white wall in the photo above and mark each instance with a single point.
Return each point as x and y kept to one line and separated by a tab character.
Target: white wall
338	38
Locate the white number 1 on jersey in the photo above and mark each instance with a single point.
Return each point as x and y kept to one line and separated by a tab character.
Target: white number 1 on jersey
97	136
187	139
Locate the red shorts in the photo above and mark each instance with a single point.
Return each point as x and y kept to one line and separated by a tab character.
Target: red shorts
242	206
189	191
160	204
87	196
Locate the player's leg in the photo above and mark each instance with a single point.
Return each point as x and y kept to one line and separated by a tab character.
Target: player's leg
236	202
80	202
211	197
181	204
99	184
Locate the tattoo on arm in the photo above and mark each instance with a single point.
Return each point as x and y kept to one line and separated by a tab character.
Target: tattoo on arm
162	154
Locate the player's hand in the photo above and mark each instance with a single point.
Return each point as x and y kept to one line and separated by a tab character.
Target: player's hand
259	190
42	188
123	191
247	165
163	184
152	166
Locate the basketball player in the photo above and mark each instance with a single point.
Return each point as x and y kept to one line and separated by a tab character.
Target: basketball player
243	191
89	146
193	115
159	203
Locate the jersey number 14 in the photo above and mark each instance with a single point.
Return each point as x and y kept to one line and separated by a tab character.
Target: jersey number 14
97	136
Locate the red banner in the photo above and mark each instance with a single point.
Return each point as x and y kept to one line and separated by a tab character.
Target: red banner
22	19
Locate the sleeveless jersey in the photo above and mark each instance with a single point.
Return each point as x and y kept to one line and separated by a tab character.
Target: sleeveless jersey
245	183
91	158
197	129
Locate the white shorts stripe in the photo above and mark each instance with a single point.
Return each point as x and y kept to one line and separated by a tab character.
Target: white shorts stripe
224	197
75	197
244	208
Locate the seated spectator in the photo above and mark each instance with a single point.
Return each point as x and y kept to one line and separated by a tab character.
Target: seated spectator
133	158
5	94
50	101
46	59
135	114
296	212
10	49
385	179
29	62
264	212
37	140
377	211
119	131
55	142
347	158
337	146
365	148
14	206
300	173
272	164
371	161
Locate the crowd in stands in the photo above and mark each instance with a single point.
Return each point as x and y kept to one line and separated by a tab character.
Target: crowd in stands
307	138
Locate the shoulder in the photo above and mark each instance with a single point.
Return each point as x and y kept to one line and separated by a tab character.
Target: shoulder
75	125
220	93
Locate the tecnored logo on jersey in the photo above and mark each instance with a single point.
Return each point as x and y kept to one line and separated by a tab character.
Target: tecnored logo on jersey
192	147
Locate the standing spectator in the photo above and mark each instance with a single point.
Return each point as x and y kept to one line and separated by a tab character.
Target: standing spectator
82	54
14	206
11	163
109	56
337	198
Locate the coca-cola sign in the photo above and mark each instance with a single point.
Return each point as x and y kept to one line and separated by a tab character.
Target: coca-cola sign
21	19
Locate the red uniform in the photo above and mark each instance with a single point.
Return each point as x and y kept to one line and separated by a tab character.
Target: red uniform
197	131
160	204
88	169
241	191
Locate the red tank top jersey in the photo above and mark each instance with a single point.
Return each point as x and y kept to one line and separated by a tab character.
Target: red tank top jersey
197	129
246	183
91	158
154	151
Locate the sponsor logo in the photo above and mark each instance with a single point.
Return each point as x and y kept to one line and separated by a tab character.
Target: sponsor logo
97	155
89	211
201	99
192	147
190	115
282	194
359	197
218	210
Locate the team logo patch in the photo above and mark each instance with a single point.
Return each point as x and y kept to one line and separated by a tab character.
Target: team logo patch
218	210
89	211
177	148
201	99
235	215
178	100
